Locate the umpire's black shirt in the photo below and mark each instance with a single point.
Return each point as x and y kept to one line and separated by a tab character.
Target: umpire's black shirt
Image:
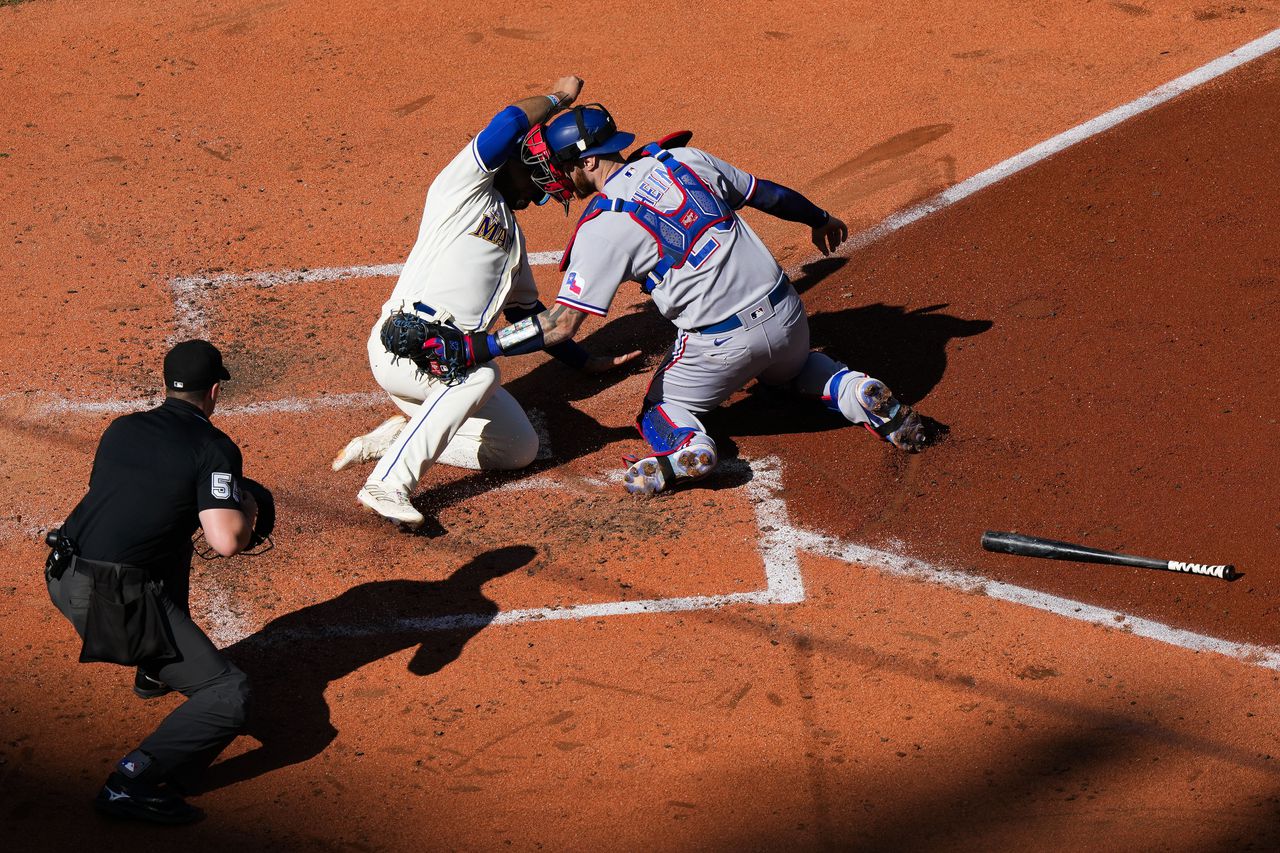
153	474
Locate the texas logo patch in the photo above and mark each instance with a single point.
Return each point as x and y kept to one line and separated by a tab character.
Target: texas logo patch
574	283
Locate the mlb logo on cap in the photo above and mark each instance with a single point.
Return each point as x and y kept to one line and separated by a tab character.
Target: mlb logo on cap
193	366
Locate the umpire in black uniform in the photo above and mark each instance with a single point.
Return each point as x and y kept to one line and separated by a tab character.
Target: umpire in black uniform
157	476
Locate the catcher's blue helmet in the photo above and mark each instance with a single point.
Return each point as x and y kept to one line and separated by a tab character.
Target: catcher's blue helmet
584	131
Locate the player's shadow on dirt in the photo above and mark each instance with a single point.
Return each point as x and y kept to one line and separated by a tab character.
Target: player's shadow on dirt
815	272
905	348
572	433
293	659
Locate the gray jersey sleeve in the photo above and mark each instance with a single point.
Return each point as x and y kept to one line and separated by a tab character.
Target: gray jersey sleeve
734	185
596	269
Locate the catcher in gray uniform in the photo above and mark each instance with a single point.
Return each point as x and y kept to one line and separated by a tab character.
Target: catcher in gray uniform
666	218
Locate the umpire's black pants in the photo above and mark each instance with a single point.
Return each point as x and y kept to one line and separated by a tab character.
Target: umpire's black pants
217	692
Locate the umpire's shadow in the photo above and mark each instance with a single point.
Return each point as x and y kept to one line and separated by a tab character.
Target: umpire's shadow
294	658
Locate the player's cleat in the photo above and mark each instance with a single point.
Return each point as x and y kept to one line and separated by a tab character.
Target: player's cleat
390	503
912	434
653	474
123	797
895	423
371	445
905	429
875	397
147	687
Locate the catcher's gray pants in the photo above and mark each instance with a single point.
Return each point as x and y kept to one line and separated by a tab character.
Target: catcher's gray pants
217	692
703	370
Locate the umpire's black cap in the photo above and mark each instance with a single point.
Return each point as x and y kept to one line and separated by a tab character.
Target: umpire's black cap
193	366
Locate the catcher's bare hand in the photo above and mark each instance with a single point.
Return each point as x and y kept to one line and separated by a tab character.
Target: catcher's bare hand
830	234
604	363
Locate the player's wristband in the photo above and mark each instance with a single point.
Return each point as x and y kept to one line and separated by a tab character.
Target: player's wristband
555	102
517	339
571	353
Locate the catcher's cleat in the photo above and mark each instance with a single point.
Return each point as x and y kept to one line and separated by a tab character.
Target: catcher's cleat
904	429
912	436
390	503
371	445
125	798
653	474
149	687
876	398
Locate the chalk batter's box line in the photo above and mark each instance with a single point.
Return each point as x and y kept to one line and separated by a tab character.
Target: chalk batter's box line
780	544
777	545
189	292
780	551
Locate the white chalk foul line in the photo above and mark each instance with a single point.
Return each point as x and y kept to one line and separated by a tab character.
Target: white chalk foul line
189	291
900	565
55	405
1247	53
780	545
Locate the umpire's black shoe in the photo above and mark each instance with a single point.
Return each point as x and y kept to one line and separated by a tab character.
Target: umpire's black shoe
147	687
122	797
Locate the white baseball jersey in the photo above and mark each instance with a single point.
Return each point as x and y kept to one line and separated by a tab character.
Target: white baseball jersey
726	271
469	260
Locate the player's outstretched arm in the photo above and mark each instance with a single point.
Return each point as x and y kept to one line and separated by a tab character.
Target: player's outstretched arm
444	350
541	107
567	350
828	231
561	323
546	330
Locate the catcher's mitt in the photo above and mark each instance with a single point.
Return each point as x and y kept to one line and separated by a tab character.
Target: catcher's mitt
260	539
439	349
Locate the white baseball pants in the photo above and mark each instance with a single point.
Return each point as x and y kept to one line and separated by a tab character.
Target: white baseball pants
476	424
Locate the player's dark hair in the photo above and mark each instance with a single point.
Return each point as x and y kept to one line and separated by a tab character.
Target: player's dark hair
195	398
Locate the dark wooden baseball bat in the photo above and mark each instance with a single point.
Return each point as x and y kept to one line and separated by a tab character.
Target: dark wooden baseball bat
1051	549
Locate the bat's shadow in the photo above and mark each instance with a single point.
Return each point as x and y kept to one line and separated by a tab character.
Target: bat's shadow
293	659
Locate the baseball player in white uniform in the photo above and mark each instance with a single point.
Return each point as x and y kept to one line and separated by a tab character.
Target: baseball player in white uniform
668	220
469	263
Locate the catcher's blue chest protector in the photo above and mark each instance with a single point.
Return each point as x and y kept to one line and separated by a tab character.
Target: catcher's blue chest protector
677	231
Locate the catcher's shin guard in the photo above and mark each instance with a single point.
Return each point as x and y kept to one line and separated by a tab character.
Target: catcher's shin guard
682	449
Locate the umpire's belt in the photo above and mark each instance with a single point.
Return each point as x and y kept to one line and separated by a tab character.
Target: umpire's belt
738	320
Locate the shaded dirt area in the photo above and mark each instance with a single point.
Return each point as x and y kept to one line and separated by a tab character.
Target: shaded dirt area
1125	394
